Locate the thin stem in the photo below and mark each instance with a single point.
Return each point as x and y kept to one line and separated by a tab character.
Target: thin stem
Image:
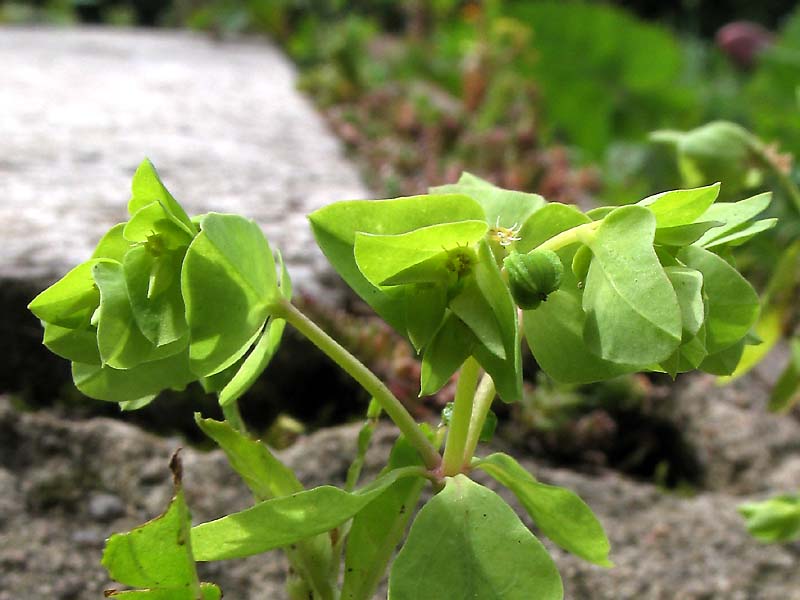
784	179
460	419
790	187
483	402
570	236
232	415
356	369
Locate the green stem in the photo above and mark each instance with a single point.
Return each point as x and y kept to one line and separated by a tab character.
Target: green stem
784	179
570	236
232	415
790	187
483	402
460	420
356	369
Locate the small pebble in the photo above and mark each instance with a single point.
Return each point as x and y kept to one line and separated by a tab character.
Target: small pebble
104	507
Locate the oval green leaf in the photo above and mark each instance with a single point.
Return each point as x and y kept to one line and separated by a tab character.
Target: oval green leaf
466	542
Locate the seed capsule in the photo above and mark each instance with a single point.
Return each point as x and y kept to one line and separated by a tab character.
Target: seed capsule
533	276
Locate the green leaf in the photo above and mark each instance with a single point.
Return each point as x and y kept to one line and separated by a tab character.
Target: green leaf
452	343
79	345
505	369
547	222
769	329
335	227
209	591
554	332
121	343
264	474
466	542
158	555
688	286
472	307
683	235
154	225
146	379
632	312
774	520
147	188
786	392
731	302
267	478
733	215
558	512
113	244
725	361
505	208
131	405
262	353
286	520
160	316
71	301
493	288
379	527
680	207
742	234
228	282
425	305
716	151
379	257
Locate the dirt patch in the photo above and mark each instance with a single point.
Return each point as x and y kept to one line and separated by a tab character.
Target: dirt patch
66	485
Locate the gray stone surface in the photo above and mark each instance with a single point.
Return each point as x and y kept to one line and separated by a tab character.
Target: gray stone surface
223	123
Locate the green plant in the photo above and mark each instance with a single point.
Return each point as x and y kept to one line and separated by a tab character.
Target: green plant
728	152
773	520
166	300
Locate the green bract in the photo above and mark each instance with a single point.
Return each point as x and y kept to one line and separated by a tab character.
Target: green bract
161	304
645	289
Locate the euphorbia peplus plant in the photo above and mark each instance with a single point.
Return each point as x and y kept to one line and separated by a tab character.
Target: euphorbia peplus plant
464	273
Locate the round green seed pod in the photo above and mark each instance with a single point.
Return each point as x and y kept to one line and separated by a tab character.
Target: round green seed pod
533	276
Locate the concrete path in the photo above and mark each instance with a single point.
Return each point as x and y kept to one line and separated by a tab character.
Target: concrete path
223	123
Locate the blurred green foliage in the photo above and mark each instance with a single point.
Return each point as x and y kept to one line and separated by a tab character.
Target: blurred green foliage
526	93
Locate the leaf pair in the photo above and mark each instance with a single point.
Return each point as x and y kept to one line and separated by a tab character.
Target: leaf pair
456	541
426	264
645	291
466	541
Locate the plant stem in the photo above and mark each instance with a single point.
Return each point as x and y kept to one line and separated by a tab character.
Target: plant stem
483	402
356	369
784	179
790	187
570	236
460	419
232	415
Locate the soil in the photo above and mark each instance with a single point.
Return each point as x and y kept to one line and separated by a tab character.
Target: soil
67	484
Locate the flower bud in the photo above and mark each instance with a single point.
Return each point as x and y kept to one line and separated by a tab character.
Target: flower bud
533	276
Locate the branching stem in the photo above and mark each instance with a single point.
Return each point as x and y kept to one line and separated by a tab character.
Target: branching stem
570	236
356	369
460	419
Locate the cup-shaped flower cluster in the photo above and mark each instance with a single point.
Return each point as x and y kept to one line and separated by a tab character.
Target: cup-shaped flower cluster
647	287
165	300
